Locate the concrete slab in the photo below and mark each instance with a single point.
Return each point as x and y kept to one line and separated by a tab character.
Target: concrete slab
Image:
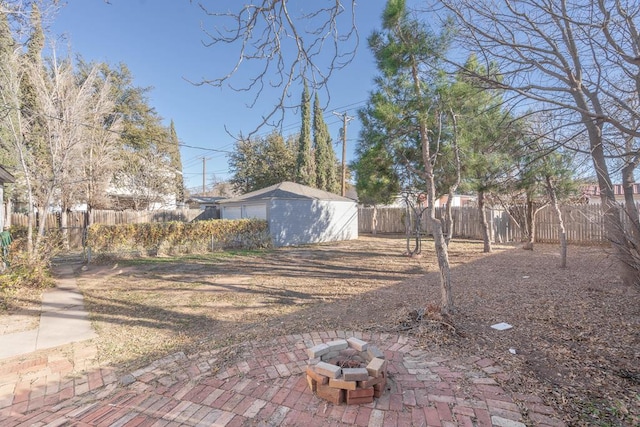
63	326
18	343
63	319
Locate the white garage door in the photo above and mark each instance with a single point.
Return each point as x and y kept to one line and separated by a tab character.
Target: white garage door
231	212
255	211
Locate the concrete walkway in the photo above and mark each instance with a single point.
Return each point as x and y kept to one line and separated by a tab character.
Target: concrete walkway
63	319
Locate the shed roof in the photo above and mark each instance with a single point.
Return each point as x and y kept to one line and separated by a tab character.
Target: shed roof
287	190
5	176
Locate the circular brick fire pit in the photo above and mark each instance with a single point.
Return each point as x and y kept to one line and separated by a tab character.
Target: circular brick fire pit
346	370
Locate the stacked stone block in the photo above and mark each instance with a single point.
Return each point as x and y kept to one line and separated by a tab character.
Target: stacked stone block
346	371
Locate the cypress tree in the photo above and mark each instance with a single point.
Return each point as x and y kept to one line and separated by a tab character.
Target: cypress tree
7	44
35	44
305	168
176	161
33	61
326	172
35	136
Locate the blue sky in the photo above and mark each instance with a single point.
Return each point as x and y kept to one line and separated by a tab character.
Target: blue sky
161	43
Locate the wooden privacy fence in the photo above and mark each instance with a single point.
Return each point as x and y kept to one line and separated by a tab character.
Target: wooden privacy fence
466	222
584	224
78	219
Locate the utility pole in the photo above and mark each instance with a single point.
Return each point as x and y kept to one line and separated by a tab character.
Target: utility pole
345	119
204	174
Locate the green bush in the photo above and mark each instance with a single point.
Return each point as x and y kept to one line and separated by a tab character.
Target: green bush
174	238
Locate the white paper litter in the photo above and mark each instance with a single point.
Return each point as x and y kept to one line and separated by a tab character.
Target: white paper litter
502	326
512	350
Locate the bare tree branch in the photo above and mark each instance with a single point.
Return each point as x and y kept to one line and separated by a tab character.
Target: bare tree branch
279	48
578	55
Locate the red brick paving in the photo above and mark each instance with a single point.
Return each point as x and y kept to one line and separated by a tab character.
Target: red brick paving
264	387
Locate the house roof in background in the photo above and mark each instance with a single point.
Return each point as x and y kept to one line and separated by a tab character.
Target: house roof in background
6	176
594	189
204	199
287	190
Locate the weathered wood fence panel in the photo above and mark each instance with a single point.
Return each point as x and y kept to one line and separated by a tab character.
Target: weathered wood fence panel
466	222
78	219
139	217
584	224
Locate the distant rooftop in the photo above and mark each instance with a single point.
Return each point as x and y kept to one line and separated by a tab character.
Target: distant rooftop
5	176
287	190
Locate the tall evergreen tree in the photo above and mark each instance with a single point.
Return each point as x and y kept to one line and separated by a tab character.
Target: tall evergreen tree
7	44
7	47
176	162
146	145
407	55
326	161
32	63
305	168
35	44
33	158
488	138
375	167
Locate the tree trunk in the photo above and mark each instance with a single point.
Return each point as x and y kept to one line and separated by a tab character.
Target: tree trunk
630	207
456	184
64	225
31	219
611	210
486	236
529	224
448	218
374	221
562	233
42	225
31	222
446	304
631	210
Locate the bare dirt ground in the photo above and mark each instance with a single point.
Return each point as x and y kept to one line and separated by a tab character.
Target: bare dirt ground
576	331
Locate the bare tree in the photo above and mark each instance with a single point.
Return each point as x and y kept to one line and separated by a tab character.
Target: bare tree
77	160
580	57
286	41
100	152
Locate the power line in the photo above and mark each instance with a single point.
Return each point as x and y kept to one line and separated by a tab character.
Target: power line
217	150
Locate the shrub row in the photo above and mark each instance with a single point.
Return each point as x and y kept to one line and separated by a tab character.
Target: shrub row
174	238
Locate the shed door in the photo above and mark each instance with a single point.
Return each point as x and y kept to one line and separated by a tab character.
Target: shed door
255	211
231	212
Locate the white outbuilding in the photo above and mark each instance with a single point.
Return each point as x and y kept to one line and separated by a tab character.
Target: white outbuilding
297	214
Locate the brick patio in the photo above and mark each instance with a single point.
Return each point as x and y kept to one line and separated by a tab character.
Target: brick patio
264	385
